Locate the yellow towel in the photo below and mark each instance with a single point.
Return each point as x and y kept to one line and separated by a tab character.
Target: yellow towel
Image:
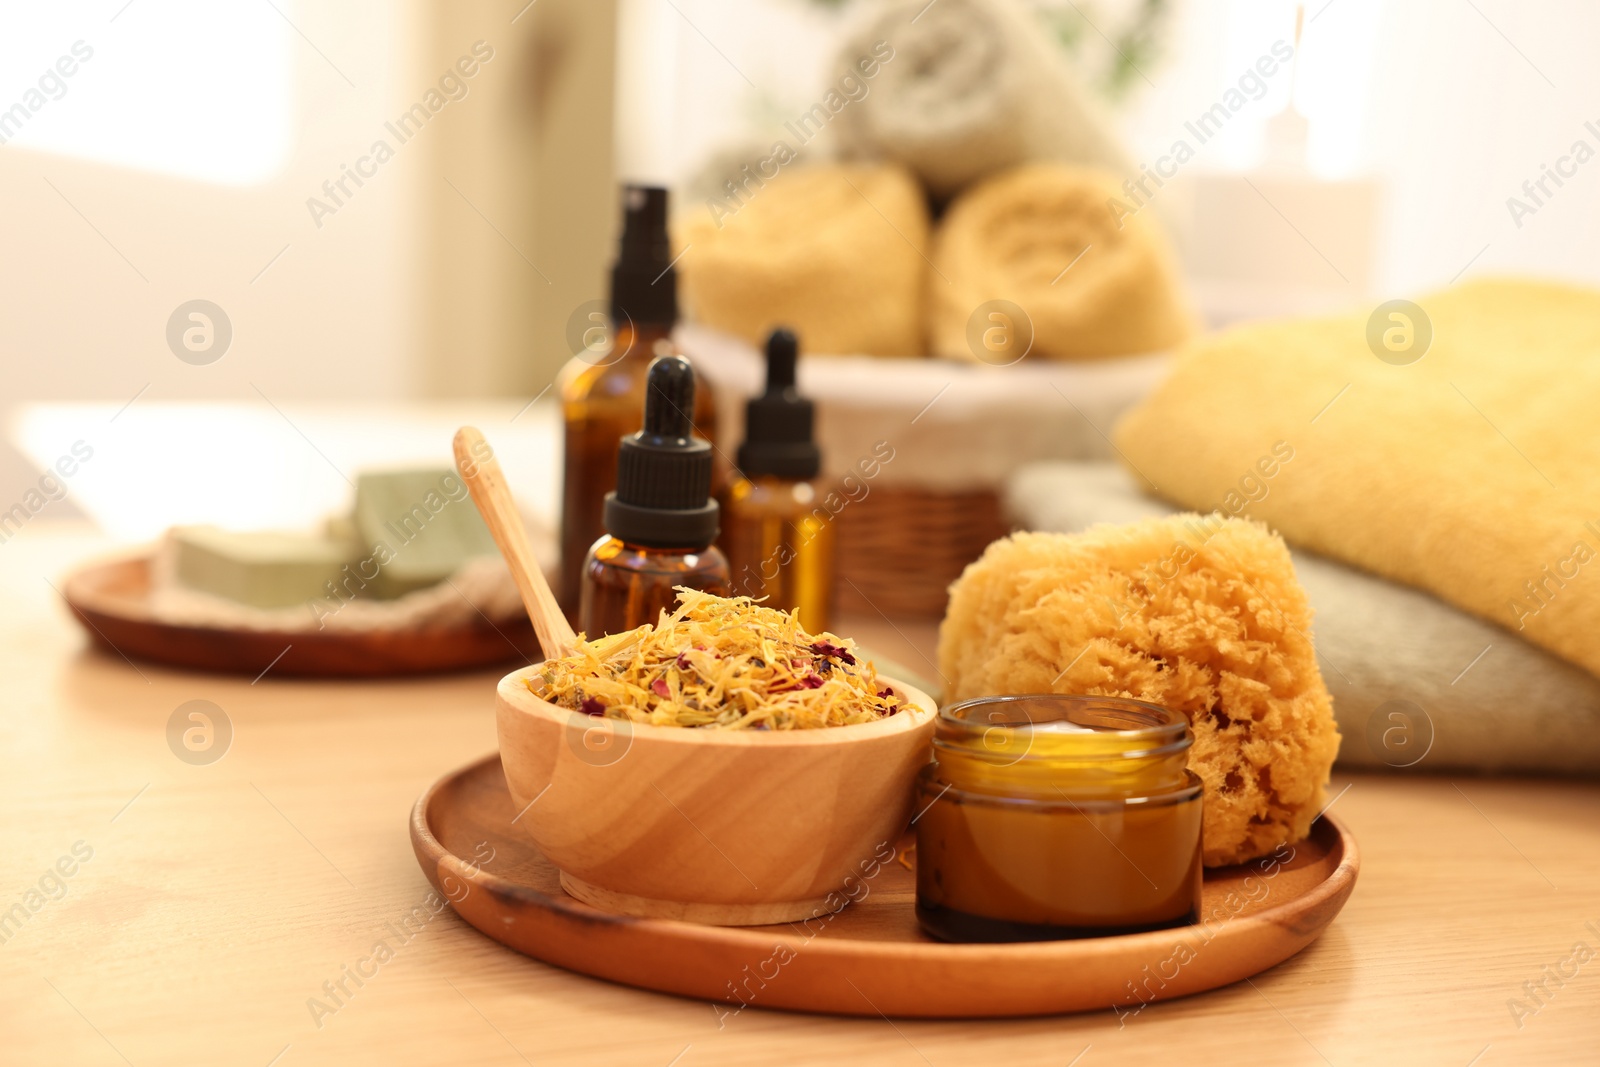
1470	472
834	252
1090	280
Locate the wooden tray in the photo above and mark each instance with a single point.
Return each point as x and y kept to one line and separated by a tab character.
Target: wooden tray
870	958
112	601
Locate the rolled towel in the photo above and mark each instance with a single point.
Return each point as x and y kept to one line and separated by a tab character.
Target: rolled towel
1043	239
973	87
1220	633
1417	685
833	251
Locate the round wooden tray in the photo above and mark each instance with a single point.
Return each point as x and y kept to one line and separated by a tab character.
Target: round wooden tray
870	958
112	601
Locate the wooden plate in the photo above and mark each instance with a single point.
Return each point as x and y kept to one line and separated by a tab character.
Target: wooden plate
112	601
870	958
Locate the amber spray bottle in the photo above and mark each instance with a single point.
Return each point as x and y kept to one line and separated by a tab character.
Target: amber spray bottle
602	388
778	536
660	521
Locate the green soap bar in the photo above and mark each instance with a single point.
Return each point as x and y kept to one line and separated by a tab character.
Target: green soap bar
262	568
420	525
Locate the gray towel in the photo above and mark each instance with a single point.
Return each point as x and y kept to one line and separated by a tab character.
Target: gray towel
1417	685
973	88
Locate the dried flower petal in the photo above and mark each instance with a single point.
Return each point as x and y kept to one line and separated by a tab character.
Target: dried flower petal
757	669
823	647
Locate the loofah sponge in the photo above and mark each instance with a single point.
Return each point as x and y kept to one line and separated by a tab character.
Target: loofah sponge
1092	280
1197	613
834	252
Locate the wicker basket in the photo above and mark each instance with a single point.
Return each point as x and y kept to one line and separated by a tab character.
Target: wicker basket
900	548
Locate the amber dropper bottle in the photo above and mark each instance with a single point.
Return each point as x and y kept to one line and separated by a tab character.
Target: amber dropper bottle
603	386
778	536
660	521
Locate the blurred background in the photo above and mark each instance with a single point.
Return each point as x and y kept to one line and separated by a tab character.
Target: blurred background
177	162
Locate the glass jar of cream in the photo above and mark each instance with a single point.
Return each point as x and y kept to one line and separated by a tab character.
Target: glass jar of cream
1047	817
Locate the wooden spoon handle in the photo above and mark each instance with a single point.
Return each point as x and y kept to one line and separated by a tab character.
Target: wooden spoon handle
479	468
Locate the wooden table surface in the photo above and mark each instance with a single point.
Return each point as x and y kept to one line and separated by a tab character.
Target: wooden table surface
217	899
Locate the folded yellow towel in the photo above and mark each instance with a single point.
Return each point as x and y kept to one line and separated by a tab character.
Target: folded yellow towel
1043	238
832	251
1470	473
1201	615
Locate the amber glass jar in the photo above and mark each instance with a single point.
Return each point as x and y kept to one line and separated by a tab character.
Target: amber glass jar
1048	817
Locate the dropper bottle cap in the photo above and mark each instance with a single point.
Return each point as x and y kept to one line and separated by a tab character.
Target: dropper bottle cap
644	285
663	494
778	423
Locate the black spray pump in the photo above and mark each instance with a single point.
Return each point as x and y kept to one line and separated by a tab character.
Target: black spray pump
644	286
663	494
778	423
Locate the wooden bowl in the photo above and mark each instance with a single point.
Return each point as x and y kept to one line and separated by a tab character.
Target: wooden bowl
726	827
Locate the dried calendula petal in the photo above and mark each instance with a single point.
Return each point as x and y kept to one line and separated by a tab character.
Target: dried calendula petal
719	663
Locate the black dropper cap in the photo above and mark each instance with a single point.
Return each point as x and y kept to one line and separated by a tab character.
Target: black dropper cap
663	494
778	423
644	286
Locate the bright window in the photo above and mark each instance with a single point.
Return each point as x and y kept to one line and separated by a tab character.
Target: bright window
190	88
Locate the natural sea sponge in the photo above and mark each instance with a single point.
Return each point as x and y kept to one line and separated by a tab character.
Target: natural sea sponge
1200	614
1093	282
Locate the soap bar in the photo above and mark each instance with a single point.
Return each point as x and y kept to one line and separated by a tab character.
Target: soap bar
419	525
264	569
